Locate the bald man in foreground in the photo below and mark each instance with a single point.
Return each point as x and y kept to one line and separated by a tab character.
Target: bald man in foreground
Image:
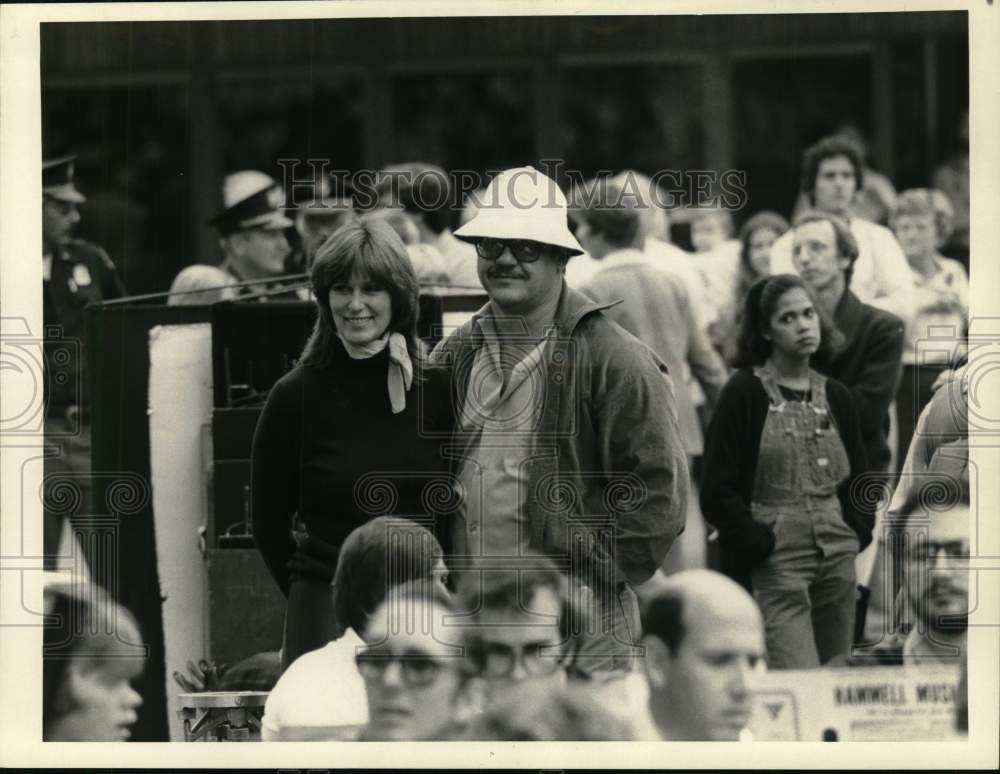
704	639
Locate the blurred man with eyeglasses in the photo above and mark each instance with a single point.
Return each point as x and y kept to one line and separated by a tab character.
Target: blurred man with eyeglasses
414	667
704	647
567	440
75	274
522	636
936	539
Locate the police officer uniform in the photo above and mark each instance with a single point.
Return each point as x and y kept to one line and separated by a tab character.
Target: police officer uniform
75	274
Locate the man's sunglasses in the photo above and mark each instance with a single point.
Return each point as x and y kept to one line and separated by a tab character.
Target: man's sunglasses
417	668
524	250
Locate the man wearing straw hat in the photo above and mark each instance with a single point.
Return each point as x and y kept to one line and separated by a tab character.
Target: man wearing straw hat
252	238
75	273
567	440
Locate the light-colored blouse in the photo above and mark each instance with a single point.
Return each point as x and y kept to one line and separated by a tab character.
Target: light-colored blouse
942	315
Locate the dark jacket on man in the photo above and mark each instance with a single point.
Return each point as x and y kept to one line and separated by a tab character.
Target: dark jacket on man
869	364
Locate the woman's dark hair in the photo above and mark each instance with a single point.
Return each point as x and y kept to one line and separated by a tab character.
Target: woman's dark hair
82	627
368	249
758	308
384	553
828	148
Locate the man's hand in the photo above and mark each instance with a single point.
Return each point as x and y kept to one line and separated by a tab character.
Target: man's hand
205	676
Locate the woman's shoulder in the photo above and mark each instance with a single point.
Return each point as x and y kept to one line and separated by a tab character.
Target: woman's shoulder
743	381
290	383
742	392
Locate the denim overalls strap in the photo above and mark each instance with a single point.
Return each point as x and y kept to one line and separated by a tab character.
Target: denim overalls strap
801	457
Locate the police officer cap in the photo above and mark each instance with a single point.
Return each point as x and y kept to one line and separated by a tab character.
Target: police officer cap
57	180
250	199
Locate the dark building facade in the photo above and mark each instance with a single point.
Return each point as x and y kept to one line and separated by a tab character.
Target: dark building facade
159	112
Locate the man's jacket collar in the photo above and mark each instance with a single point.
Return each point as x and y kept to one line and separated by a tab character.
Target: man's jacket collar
572	308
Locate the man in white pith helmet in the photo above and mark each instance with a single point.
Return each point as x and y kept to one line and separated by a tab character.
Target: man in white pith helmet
567	441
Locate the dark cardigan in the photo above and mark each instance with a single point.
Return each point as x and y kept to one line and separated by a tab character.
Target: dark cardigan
870	365
730	462
328	447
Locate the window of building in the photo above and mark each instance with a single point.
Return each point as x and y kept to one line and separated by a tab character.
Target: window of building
463	121
646	117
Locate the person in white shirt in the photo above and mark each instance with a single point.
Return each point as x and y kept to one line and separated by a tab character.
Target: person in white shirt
321	696
704	640
716	258
831	176
876	196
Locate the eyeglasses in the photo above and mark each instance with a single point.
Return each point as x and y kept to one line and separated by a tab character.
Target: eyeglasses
927	551
524	250
418	668
537	659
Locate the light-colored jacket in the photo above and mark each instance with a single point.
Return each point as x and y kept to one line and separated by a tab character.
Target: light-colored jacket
657	311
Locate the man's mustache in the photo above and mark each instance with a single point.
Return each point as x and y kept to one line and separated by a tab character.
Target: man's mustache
504	275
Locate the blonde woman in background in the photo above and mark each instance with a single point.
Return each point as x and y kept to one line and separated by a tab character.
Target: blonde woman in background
922	222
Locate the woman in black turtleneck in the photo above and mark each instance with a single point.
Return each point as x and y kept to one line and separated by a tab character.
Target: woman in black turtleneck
354	431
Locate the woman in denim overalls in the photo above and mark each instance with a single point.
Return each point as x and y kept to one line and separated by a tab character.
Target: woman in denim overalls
788	512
